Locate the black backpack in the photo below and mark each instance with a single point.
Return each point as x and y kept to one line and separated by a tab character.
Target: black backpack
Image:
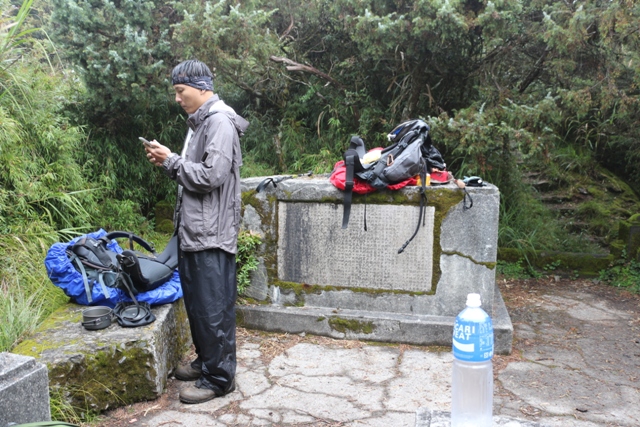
130	271
398	162
411	153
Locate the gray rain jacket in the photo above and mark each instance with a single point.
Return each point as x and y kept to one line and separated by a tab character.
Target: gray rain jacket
208	172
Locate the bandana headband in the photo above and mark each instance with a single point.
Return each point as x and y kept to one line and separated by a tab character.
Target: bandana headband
198	82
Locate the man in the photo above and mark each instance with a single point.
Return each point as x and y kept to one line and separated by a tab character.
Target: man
207	218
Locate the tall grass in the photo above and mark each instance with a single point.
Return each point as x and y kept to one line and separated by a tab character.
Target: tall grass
18	313
26	294
43	195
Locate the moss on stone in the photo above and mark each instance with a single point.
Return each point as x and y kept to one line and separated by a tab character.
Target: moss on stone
129	383
240	318
512	255
300	289
164	226
83	383
617	248
596	192
269	218
343	325
35	347
164	210
633	244
489	265
104	374
443	200
303	288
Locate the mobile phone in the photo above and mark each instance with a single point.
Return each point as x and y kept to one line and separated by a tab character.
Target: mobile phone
144	141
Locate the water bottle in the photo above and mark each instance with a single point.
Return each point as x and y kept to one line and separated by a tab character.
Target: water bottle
472	382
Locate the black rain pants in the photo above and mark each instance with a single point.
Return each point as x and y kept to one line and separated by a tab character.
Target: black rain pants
208	281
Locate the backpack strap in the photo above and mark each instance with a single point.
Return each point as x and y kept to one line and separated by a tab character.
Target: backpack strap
132	238
389	153
271	180
353	164
464	201
103	284
73	258
349	161
423	202
129	288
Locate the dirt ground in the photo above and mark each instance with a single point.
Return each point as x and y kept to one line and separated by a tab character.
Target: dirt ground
525	301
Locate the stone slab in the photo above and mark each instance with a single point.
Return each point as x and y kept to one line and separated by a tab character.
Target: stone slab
474	231
460	276
24	390
111	367
431	418
314	249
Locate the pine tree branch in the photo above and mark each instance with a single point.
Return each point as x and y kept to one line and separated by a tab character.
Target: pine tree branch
294	66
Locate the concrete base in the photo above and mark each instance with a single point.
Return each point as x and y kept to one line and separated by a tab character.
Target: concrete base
370	325
24	390
98	369
430	418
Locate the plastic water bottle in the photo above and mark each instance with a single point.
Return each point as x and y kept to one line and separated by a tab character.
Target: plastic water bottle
472	382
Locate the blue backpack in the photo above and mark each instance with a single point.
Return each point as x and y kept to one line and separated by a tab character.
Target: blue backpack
130	270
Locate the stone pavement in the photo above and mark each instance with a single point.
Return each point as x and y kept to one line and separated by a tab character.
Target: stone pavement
576	363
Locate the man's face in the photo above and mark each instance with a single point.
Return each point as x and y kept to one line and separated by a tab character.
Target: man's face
190	98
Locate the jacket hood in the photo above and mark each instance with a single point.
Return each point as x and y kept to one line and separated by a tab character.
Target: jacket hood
215	105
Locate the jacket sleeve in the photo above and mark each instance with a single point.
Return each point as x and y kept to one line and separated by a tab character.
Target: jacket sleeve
213	168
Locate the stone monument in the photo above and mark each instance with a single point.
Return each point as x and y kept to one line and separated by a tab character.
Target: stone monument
314	276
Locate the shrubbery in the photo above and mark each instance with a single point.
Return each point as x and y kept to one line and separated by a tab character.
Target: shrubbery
510	88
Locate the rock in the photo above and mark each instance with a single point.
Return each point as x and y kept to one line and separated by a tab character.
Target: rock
112	367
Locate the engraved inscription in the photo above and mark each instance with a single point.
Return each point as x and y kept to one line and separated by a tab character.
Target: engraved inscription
314	249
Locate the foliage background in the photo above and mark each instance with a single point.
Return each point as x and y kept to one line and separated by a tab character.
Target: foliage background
536	96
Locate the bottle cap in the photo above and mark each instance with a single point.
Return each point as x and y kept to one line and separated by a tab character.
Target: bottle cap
473	300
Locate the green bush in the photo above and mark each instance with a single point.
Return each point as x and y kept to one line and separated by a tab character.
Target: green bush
246	260
624	274
520	269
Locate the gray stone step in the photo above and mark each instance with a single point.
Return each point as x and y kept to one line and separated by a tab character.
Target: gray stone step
370	325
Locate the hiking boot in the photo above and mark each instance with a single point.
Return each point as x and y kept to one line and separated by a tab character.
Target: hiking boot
193	394
187	373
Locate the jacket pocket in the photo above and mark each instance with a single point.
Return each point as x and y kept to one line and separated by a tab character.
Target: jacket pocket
210	214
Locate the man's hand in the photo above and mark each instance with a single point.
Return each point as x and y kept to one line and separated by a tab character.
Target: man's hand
157	152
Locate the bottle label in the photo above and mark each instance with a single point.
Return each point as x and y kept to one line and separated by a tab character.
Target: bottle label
473	341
